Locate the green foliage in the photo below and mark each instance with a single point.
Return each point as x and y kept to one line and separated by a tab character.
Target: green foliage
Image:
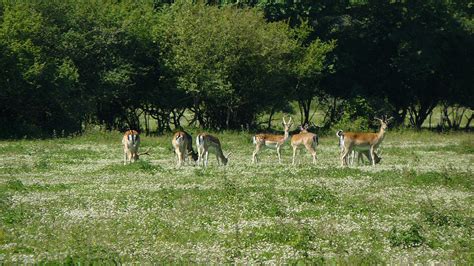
355	116
229	61
315	195
409	238
222	64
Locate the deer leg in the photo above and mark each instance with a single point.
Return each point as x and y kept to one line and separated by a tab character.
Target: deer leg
254	155
199	156
360	157
294	153
178	157
279	155
182	158
206	160
344	156
372	159
312	151
124	157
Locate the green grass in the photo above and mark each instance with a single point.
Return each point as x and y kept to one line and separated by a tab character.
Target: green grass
72	200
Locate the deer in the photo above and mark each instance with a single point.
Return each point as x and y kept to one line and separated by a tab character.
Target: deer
208	143
271	141
364	142
308	139
131	142
183	147
355	153
360	157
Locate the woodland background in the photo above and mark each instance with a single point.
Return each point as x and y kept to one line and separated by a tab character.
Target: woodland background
66	65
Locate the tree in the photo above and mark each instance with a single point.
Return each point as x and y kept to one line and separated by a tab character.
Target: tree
310	68
40	93
229	61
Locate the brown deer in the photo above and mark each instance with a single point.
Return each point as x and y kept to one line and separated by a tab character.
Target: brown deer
307	139
183	147
131	142
207	143
271	141
363	142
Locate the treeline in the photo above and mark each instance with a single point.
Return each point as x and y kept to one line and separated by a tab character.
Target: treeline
223	64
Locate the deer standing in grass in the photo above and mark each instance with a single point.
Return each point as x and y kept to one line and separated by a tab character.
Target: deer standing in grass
271	141
360	157
183	147
308	139
361	142
131	142
354	153
206	143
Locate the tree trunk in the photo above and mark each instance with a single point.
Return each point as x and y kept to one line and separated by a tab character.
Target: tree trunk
330	115
305	107
418	114
468	123
147	124
445	116
269	123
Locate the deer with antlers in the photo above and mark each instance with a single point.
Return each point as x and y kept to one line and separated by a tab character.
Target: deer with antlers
131	142
206	143
362	142
307	139
183	147
354	153
271	141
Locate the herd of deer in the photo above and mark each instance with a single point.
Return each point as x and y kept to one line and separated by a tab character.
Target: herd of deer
349	143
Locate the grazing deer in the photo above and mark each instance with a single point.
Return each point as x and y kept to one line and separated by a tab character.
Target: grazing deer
271	141
308	139
360	157
183	147
205	143
362	142
131	142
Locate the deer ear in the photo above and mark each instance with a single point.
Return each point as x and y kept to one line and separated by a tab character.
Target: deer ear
229	154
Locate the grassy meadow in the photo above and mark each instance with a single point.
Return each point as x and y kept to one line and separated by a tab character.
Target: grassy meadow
72	200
